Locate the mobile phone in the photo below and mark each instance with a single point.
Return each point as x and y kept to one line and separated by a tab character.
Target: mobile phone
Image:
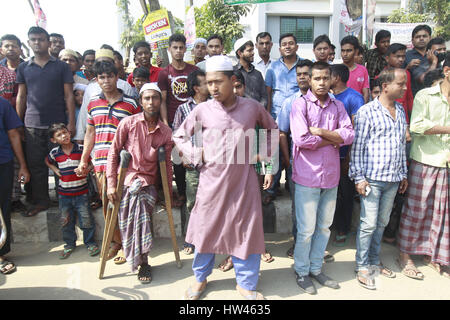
368	189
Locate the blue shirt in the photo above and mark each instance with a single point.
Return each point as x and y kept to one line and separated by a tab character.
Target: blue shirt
352	101
45	92
283	82
8	120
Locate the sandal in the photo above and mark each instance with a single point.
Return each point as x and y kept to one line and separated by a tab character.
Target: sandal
368	283
188	250
144	275
388	273
66	253
442	270
193	295
410	270
267	257
119	260
113	250
34	211
93	250
254	295
290	252
226	264
7	267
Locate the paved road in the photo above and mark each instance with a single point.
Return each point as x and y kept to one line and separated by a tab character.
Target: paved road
41	275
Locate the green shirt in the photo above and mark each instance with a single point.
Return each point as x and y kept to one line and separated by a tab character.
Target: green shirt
430	109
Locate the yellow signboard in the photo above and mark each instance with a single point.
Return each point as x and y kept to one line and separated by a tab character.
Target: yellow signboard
157	29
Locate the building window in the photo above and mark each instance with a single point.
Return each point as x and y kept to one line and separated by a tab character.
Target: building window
301	27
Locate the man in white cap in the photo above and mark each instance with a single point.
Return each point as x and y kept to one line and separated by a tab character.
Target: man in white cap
141	135
227	215
70	57
93	89
214	47
255	86
199	50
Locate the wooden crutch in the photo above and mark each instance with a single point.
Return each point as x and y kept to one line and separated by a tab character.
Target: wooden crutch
165	184
113	210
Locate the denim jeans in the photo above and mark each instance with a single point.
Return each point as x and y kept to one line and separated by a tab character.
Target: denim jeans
314	210
375	211
73	208
292	194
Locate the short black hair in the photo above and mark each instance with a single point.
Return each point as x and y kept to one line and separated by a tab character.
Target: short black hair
437	40
382	34
56	35
319	65
360	49
285	35
177	37
374	83
421	27
118	55
107	67
38	30
215	36
304	63
341	71
141	72
10	37
350	40
393	48
432	76
333	47
263	35
107	46
55	127
192	81
141	44
88	52
320	39
239	76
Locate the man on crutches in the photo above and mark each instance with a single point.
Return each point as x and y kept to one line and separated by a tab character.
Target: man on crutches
141	135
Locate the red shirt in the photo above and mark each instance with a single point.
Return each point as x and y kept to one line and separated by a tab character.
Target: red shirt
154	72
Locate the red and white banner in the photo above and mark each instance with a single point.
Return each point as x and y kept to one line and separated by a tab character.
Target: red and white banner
41	19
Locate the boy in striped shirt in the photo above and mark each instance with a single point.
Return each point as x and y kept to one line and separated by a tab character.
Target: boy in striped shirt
72	190
104	112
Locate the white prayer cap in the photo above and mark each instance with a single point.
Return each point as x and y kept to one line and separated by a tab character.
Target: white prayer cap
79	86
200	40
69	52
240	42
219	63
150	86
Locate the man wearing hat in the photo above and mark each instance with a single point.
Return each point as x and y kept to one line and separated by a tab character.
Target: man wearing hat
227	215
254	83
104	113
141	135
70	57
93	89
199	50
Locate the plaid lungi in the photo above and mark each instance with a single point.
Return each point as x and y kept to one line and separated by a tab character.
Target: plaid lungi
135	212
424	225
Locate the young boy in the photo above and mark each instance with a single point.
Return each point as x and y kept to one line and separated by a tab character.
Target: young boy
141	76
72	190
375	89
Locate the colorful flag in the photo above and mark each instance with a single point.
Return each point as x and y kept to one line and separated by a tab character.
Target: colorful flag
41	19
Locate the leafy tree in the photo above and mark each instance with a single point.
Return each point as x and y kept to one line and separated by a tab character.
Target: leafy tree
436	11
216	17
133	31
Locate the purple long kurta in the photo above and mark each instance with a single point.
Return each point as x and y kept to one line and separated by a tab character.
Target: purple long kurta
227	215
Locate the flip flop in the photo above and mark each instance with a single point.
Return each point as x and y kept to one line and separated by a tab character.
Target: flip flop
409	267
188	250
386	272
66	253
5	270
119	260
254	295
226	264
145	272
192	295
93	250
370	281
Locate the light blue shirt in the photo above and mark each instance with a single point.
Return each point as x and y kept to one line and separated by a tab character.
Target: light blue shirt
283	82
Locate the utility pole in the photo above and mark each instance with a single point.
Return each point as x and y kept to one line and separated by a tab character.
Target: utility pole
162	52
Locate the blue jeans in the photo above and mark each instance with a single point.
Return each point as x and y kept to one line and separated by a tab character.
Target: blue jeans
73	207
292	194
314	211
374	217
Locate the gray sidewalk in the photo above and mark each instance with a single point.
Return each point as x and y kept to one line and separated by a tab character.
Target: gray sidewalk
41	275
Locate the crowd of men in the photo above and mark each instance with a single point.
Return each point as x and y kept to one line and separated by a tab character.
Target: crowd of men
375	127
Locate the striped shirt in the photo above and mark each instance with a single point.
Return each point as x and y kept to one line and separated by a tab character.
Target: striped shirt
105	118
69	183
378	151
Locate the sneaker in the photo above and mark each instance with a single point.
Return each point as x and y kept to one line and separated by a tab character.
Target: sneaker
325	280
305	283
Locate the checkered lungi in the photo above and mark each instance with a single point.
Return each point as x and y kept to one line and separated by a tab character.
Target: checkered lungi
424	224
135	212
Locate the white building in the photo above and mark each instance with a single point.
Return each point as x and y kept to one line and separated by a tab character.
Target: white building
307	19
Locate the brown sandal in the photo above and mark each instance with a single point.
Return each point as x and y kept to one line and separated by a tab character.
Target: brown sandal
226	264
267	257
410	270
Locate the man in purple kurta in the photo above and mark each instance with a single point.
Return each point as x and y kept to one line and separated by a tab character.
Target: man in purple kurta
227	215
